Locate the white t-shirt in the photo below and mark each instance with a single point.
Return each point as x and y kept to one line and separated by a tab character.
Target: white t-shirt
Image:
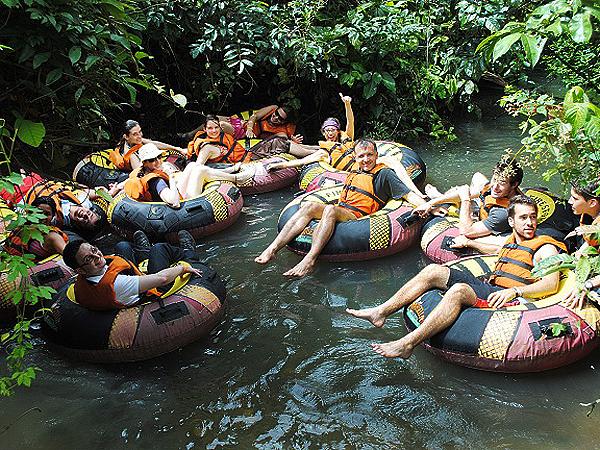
127	287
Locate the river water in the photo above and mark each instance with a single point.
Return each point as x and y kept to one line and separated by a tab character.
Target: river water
288	369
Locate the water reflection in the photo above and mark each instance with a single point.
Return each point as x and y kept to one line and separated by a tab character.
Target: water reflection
288	369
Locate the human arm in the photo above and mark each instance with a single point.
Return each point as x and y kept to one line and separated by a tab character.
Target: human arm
349	115
163	146
165	276
54	243
256	116
398	167
462	241
543	287
313	157
168	194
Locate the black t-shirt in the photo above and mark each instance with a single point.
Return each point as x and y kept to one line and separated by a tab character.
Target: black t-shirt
387	185
155	186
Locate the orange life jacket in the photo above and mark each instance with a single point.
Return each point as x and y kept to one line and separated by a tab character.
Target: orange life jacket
101	296
341	154
263	128
590	238
358	193
487	202
122	160
57	192
20	190
515	261
138	188
231	150
14	245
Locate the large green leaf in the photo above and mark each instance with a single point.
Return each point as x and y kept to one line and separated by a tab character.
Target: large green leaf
31	133
580	27
504	45
533	46
577	115
40	59
388	81
74	54
10	3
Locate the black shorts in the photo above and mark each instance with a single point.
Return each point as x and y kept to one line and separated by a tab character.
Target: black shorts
482	288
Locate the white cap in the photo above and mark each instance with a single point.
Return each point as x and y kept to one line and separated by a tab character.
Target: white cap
149	151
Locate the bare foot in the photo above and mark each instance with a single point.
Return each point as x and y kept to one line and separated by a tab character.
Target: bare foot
373	315
266	256
394	349
301	269
432	191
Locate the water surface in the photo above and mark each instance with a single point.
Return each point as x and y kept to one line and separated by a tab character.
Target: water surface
288	369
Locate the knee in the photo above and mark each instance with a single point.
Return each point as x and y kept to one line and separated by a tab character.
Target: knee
434	270
460	290
329	212
122	248
309	208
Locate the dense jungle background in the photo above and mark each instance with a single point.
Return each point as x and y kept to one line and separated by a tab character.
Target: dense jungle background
81	68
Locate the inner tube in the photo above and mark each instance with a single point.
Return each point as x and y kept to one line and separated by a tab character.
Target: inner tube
320	174
522	338
262	180
555	218
188	312
50	272
385	232
96	169
218	207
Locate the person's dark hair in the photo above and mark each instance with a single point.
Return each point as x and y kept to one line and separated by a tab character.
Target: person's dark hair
509	169
212	118
70	252
363	142
589	191
520	200
129	125
290	114
44	200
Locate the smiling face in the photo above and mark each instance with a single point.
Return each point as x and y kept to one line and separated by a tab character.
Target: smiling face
500	187
153	164
84	217
134	136
90	260
524	221
331	134
278	117
365	156
213	129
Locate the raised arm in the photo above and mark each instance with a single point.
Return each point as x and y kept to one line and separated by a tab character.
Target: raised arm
349	115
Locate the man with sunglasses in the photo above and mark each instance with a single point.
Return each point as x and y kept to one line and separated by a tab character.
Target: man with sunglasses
114	282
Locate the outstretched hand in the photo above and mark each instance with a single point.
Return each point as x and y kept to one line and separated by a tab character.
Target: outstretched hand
345	98
191	270
297	138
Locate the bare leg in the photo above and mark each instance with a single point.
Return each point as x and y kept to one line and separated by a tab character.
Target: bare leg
432	276
302	150
199	175
443	315
331	215
292	228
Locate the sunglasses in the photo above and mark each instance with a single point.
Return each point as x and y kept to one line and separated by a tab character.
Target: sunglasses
277	115
156	158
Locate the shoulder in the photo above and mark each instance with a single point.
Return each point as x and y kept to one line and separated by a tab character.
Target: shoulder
546	251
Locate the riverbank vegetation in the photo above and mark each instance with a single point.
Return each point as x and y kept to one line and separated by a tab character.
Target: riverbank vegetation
72	72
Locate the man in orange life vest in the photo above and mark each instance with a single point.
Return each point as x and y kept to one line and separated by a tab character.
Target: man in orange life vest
364	192
585	202
492	198
510	280
113	282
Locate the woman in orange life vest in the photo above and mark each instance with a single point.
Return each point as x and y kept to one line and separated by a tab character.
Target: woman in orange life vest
338	149
54	240
585	202
125	156
155	181
215	143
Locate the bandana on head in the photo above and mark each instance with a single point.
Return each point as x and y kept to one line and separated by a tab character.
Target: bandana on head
331	122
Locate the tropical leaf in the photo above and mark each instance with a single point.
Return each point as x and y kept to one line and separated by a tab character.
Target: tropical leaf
580	27
553	264
504	45
31	133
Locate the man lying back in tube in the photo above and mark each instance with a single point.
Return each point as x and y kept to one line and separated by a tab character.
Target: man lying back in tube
492	198
114	282
510	280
